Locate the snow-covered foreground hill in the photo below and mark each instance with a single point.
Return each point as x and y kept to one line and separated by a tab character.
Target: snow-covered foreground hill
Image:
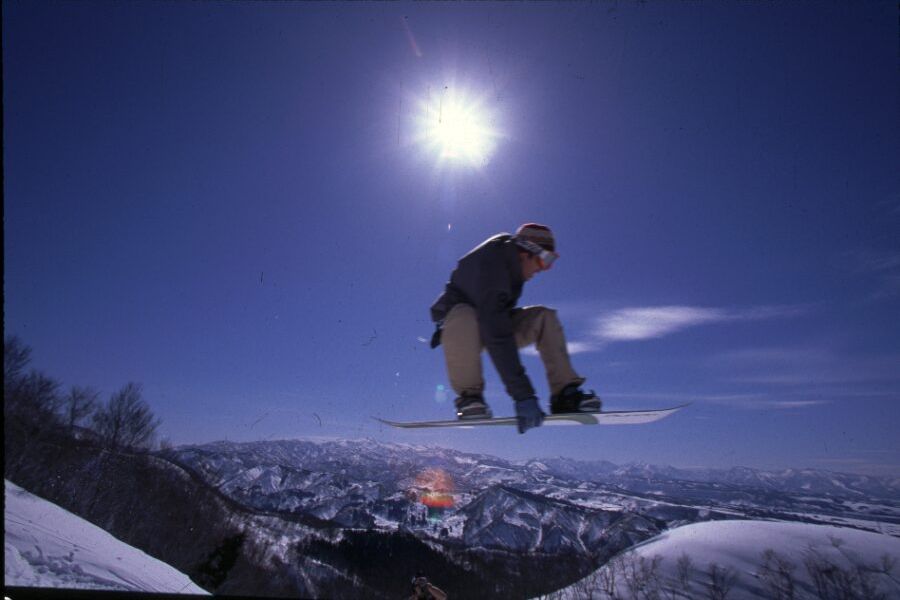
46	546
814	561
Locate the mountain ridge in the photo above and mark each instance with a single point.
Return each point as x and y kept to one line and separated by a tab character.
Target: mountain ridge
788	479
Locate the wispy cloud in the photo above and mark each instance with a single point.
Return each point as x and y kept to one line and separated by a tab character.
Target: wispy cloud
874	261
575	347
644	323
630	324
788	404
742	401
760	401
581	347
810	365
879	265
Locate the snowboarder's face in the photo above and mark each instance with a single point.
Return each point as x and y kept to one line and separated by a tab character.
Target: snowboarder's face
531	264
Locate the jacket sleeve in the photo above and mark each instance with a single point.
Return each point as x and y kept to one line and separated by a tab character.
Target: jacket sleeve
494	307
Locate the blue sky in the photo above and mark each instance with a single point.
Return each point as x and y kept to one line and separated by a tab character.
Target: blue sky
244	207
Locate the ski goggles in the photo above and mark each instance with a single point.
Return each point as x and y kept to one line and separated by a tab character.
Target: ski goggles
545	257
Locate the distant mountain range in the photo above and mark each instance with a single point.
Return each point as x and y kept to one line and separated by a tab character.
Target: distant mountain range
548	505
792	481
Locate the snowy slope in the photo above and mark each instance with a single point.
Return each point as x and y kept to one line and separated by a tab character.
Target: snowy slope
46	546
739	545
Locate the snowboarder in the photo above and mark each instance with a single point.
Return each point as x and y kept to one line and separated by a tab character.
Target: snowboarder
478	310
423	589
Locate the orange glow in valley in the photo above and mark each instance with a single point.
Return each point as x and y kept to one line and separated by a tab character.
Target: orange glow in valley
436	487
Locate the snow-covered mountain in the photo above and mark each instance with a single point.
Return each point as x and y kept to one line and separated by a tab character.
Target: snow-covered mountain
794	481
46	546
507	518
549	505
751	559
325	465
494	504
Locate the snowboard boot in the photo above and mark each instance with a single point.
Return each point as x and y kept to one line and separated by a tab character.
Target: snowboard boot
472	407
572	400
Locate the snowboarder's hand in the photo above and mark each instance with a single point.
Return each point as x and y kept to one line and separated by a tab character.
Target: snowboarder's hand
436	338
529	414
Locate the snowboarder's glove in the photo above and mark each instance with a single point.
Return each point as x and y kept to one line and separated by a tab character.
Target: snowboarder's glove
436	338
529	414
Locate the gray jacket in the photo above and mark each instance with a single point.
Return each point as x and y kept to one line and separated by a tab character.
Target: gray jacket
489	278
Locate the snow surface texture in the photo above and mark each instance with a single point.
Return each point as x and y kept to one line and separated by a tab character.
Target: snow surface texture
739	545
46	546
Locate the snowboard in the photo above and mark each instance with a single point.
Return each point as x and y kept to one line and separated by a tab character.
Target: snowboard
612	417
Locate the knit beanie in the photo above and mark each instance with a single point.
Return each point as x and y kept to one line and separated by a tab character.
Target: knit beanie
539	234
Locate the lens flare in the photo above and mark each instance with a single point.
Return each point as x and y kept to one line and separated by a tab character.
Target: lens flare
440	394
435	490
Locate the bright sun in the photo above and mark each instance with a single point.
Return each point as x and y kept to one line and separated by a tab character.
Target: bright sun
457	129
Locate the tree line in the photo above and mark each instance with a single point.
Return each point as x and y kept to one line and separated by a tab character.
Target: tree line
631	576
35	404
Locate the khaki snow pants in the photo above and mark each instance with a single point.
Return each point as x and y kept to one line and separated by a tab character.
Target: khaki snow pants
537	325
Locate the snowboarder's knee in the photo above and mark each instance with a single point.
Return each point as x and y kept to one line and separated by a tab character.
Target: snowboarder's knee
546	312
